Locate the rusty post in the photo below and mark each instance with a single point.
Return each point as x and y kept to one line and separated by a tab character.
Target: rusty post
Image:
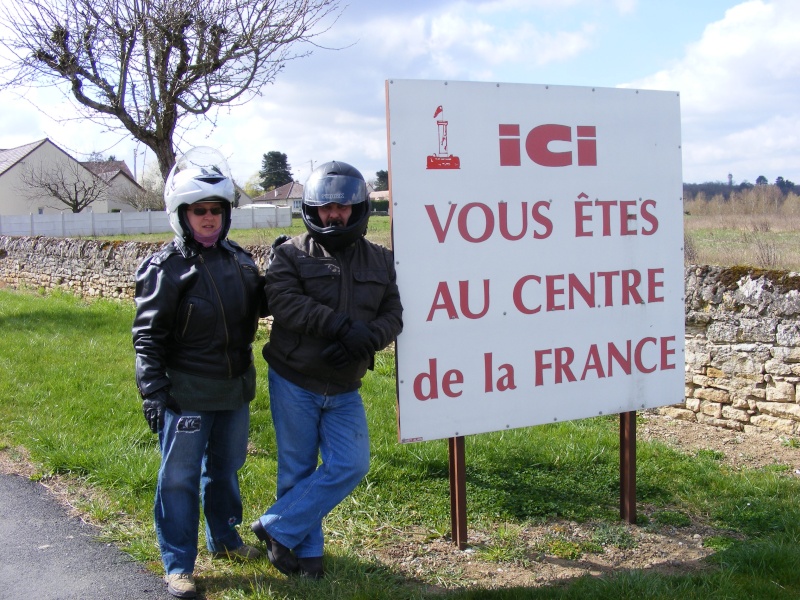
627	466
458	492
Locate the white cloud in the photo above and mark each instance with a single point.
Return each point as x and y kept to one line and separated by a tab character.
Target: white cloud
739	90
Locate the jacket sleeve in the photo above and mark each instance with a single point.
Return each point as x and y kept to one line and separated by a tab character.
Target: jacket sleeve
289	302
156	301
388	324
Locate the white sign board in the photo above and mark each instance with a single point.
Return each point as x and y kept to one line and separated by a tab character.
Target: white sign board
538	238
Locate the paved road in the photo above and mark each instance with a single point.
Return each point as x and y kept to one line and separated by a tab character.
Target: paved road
48	555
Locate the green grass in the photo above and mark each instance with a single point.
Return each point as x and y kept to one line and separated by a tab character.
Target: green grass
67	396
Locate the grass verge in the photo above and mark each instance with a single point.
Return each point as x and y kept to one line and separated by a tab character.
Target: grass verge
67	396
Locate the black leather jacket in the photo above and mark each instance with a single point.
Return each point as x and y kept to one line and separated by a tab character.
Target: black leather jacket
197	312
307	286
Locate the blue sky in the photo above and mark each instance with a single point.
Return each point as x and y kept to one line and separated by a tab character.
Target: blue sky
735	64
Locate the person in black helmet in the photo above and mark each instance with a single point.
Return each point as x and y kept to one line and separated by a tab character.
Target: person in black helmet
334	299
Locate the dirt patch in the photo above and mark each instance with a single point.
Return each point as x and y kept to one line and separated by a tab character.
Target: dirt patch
547	554
560	550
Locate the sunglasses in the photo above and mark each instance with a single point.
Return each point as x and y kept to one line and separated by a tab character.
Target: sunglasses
200	211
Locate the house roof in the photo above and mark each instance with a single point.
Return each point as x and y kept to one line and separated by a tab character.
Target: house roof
10	157
108	169
289	191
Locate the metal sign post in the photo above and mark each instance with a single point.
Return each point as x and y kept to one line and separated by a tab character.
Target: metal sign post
627	466
458	492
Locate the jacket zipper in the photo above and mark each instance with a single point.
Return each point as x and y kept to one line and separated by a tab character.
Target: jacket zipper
222	311
188	320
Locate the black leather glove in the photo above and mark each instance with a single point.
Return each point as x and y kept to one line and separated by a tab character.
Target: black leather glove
336	355
280	239
359	341
155	405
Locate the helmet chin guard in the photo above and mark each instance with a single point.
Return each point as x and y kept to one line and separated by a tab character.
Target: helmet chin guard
200	175
340	183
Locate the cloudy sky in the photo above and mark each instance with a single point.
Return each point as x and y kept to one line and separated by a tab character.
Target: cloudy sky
735	64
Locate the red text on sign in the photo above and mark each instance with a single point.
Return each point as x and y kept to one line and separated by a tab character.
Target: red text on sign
538	145
476	222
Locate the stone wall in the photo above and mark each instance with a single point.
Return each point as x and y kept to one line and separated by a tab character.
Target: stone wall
742	349
88	268
742	327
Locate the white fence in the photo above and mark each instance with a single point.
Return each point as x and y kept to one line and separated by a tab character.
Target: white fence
99	224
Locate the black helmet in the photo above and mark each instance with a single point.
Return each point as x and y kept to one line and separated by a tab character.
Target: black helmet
338	182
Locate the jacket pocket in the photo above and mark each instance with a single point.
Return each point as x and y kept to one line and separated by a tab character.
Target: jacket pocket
197	322
320	280
369	290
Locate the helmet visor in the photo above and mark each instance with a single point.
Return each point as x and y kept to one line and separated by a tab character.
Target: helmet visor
340	189
204	162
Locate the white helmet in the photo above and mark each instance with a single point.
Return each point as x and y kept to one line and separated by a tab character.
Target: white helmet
200	175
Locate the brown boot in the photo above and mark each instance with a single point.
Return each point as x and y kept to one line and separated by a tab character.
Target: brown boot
181	585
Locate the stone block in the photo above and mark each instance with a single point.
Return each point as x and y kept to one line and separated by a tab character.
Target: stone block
678	413
717	422
785	410
713	395
774	424
728	412
711	409
781	391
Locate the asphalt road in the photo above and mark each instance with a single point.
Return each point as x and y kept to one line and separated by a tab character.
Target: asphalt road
48	555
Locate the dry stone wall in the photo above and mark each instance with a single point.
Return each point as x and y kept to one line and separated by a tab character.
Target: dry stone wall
88	268
742	349
742	325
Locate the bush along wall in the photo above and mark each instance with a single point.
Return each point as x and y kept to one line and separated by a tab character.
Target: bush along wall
742	325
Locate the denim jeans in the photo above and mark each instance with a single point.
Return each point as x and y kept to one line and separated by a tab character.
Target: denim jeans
201	454
308	425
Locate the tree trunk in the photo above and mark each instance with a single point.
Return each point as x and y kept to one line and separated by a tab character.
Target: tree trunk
165	154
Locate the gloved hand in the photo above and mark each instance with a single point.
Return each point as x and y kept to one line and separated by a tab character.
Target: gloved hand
155	405
336	355
356	342
280	239
359	341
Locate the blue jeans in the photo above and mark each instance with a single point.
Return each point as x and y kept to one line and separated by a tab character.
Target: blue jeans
201	454
308	425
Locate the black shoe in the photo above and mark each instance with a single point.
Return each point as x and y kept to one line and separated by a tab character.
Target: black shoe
279	555
311	567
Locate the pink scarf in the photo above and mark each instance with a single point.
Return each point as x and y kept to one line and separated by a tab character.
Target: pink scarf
207	240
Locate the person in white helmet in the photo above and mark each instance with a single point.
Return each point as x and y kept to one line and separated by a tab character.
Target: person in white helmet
334	299
198	301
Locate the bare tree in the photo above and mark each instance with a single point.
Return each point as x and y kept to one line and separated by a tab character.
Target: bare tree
64	183
149	195
152	67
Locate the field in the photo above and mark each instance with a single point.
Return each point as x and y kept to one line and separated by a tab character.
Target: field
757	228
543	502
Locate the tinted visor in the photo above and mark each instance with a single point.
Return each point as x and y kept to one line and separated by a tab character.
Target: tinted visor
341	189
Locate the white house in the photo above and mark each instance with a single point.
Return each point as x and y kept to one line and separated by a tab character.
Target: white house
121	185
30	176
290	194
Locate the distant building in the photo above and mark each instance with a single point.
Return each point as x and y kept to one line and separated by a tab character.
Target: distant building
290	194
43	159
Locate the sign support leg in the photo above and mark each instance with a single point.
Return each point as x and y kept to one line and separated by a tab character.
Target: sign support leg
458	492
627	466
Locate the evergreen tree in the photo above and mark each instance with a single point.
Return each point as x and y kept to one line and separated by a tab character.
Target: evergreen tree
275	170
381	181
